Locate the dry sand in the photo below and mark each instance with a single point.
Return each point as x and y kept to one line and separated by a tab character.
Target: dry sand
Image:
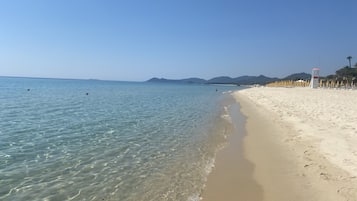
302	144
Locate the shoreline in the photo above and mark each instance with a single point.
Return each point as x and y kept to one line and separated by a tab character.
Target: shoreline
292	159
224	178
276	167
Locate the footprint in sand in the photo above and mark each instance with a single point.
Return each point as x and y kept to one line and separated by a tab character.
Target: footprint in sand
348	192
308	165
325	176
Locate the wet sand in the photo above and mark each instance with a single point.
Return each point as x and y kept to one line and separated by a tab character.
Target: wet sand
225	181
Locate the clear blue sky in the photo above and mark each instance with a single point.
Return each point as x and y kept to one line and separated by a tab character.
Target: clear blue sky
137	40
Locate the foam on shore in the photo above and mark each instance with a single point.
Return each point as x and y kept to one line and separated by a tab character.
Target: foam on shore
232	175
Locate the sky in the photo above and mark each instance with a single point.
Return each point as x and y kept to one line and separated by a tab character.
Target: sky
137	40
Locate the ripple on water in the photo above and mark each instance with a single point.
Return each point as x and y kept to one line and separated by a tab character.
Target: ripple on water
125	141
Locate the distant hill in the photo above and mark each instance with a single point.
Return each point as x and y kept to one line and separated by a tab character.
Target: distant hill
220	80
188	80
298	76
155	79
261	79
194	80
242	80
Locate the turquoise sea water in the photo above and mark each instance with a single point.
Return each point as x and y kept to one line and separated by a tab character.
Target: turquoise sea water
122	141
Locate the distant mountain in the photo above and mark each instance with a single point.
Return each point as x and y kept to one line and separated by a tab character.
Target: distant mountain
248	80
155	79
298	76
188	80
242	80
194	80
221	80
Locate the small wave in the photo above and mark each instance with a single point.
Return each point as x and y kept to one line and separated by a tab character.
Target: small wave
194	198
117	144
209	166
226	115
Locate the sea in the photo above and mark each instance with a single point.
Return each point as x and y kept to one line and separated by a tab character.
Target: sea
63	139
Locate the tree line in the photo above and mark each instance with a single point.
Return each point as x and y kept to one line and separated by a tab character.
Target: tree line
346	73
344	77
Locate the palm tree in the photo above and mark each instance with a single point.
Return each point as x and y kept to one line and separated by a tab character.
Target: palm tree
349	60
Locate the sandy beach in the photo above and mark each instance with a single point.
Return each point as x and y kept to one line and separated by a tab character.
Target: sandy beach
301	143
224	179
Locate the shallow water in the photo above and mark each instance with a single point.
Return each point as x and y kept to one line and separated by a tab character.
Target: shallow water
122	141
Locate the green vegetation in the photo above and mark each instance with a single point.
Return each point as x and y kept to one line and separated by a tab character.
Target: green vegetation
347	74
